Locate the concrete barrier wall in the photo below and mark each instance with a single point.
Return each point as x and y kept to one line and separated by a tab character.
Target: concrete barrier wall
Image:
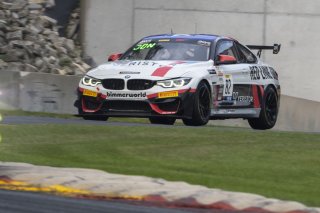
55	93
110	26
295	114
37	92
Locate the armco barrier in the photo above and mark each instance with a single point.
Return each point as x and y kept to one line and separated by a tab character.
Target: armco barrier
56	93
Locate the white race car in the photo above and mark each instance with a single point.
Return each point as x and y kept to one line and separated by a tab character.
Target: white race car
194	77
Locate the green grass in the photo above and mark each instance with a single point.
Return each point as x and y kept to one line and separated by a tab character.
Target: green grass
283	165
54	115
39	114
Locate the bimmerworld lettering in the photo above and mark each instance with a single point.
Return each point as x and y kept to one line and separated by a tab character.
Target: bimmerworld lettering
126	95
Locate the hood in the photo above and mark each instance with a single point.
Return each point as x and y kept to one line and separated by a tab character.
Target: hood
145	69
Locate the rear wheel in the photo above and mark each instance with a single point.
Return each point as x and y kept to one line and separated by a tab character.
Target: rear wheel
201	106
162	120
269	111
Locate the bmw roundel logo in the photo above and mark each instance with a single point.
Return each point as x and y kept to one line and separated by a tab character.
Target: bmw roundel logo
127	76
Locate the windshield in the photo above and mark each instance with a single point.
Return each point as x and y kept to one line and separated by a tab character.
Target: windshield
169	49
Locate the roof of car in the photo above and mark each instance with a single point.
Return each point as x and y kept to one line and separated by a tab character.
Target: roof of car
184	36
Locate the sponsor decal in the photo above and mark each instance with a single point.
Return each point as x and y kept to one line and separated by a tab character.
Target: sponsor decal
142	63
260	73
227	100
124	73
242	98
126	95
235	95
228	85
212	71
204	43
90	93
144	46
145	41
164	40
169	94
247	99
273	73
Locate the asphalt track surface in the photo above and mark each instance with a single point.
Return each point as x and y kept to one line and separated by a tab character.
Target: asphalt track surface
30	202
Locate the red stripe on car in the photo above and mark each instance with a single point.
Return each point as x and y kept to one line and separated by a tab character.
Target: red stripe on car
155	108
193	90
256	101
152	95
162	71
261	90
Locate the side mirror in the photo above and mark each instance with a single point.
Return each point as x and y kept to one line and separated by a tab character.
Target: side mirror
114	57
226	59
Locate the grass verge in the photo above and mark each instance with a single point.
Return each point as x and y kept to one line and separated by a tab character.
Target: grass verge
67	116
283	165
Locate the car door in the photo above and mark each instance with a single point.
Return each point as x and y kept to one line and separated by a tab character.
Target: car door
243	94
232	89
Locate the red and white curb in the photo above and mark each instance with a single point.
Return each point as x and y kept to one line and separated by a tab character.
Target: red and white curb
98	184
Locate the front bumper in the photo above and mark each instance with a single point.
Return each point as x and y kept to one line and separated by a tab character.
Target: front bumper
179	106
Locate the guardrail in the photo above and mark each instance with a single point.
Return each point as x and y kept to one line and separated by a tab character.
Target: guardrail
37	92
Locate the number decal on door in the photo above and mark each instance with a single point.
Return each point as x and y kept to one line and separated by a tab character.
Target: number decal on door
228	85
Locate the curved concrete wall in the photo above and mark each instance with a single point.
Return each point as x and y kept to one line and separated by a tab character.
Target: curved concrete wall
112	25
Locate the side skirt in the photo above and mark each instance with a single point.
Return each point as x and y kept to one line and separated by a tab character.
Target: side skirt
235	113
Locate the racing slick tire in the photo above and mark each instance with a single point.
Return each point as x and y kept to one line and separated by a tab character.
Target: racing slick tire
201	106
269	111
162	120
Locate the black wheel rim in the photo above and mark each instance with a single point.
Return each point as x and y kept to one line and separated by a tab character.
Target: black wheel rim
271	107
204	102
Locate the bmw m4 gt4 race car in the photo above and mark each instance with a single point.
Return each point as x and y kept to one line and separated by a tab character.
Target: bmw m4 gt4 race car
190	77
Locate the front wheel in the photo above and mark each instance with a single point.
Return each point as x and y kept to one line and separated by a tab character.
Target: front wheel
269	111
162	120
201	106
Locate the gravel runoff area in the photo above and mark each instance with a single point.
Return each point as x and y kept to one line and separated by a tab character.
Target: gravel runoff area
99	184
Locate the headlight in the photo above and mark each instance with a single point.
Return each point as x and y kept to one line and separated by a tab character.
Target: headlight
89	81
178	82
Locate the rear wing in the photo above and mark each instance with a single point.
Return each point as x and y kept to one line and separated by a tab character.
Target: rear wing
275	48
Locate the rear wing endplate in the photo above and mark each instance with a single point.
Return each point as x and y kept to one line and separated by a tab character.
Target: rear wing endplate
275	48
